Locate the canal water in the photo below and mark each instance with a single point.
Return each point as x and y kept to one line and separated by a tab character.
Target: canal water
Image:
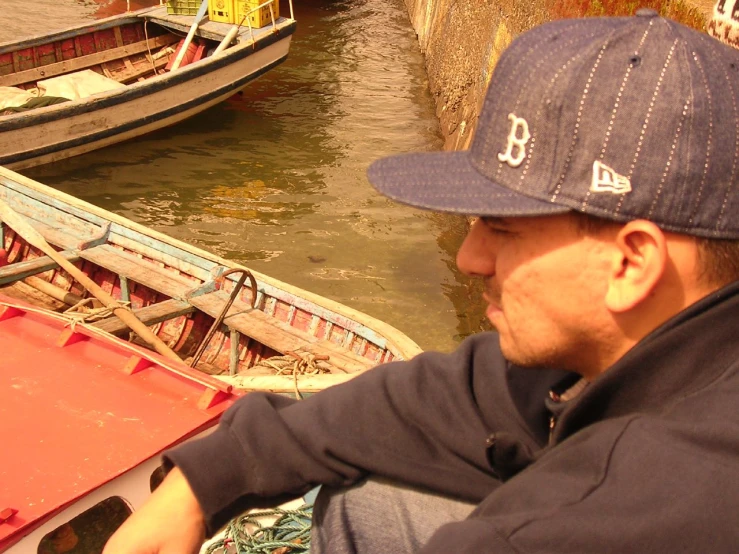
275	179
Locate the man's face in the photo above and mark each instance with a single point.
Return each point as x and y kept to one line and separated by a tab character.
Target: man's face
545	283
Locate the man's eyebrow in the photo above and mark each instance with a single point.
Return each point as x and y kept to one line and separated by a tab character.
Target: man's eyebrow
491	220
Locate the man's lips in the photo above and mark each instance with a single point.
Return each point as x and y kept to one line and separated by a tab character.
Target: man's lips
493	302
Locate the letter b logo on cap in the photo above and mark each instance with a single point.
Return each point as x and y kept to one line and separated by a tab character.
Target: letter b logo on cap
516	141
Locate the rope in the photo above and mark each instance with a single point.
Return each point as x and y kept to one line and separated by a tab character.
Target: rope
297	364
290	533
81	313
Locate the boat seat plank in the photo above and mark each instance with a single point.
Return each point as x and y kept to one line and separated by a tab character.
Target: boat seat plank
138	270
150	315
21	270
60	238
251	322
276	334
84	62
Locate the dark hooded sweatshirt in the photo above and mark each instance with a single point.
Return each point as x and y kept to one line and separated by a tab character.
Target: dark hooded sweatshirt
644	459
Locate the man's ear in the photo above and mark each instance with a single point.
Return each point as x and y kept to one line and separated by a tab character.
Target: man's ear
638	263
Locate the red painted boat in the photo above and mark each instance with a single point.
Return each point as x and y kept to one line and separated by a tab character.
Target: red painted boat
84	418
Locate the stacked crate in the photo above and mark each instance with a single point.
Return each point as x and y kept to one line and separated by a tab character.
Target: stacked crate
257	18
183	7
222	11
230	11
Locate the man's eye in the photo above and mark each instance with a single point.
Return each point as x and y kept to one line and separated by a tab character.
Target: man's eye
496	226
497	230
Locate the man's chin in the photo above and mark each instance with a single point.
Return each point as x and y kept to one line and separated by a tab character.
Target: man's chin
521	359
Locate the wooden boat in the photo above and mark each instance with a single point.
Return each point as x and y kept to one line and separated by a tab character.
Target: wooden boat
207	314
126	59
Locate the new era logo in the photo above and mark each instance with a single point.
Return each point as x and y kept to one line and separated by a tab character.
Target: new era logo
605	179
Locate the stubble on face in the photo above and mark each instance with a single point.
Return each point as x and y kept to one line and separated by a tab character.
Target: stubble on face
543	298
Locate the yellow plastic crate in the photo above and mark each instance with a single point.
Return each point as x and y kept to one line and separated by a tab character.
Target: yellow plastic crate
183	7
257	18
222	11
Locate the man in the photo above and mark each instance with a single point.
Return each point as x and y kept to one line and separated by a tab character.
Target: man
602	416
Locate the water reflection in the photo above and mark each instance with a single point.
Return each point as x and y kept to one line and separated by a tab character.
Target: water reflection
276	179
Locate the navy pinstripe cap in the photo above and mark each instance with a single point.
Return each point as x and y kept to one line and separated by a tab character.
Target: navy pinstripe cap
618	117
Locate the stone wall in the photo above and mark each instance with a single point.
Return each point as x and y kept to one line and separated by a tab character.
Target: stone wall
462	41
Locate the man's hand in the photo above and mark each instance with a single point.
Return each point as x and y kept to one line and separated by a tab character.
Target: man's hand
171	522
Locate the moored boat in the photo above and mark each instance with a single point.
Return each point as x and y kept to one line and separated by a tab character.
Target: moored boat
199	310
122	77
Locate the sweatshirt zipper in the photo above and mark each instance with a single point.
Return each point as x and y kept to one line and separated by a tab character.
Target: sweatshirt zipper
552	423
558	398
552	418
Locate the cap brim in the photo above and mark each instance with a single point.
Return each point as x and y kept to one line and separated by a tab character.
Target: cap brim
447	182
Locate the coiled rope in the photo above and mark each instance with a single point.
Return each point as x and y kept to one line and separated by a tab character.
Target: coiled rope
289	534
297	364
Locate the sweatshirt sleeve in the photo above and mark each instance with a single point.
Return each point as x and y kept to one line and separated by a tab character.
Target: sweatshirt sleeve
424	422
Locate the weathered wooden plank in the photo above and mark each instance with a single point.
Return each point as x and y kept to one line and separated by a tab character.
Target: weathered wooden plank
138	270
83	62
150	315
78	219
58	52
286	384
58	237
251	322
77	46
118	36
21	270
136	72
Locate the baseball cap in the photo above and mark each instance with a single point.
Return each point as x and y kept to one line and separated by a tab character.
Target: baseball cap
618	117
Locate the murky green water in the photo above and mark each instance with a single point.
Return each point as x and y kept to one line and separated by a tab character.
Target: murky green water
276	180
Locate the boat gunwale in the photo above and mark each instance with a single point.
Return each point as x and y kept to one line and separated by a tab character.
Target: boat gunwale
75	30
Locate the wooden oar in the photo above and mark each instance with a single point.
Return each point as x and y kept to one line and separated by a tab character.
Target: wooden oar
190	35
16	222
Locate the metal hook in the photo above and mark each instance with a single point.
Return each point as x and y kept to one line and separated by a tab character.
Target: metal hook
219	320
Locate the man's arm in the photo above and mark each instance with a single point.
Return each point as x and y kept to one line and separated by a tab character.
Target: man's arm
151	530
424	422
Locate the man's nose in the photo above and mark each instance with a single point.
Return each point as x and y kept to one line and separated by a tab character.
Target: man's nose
476	256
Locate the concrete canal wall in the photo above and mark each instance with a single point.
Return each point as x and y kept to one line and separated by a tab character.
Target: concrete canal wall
462	41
